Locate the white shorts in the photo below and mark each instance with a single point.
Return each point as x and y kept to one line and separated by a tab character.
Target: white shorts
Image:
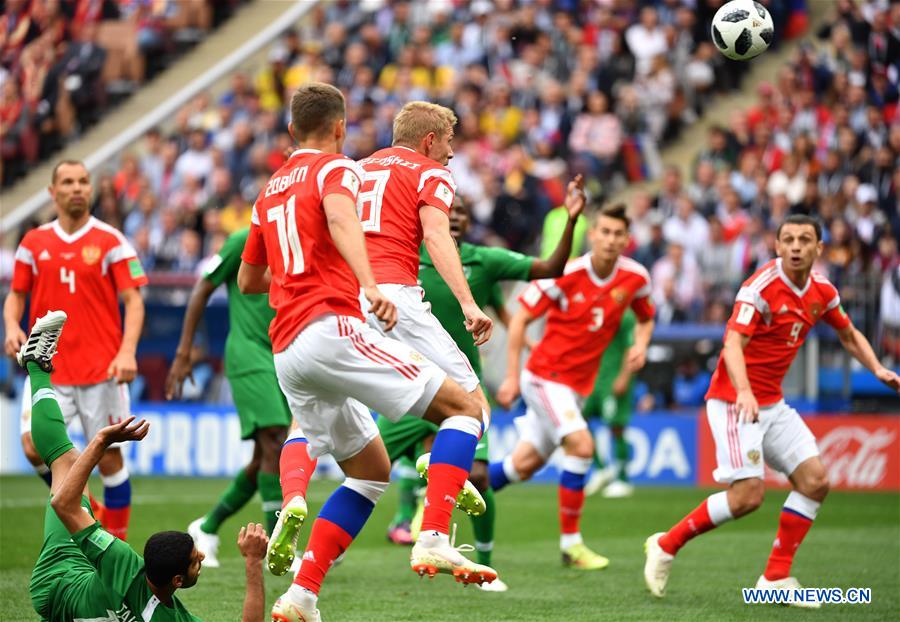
95	405
553	412
780	439
336	368
417	327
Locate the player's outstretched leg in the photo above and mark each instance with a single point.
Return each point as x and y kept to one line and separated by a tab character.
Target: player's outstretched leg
205	529
448	471
338	523
661	548
296	467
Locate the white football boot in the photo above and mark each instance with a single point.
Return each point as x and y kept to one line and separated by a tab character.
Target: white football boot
657	567
206	543
42	341
788	583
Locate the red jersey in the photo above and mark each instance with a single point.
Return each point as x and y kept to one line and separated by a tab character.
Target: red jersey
398	182
584	315
777	316
289	233
80	274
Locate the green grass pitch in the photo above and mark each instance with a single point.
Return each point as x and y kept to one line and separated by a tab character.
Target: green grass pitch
854	543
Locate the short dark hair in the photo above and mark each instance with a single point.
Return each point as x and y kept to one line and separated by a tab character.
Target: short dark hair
801	219
64	163
314	106
616	211
167	554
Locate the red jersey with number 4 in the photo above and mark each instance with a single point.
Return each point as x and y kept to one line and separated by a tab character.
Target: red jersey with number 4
777	316
79	273
583	315
289	233
398	182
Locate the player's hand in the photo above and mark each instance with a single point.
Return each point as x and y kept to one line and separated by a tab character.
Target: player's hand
747	407
635	359
15	339
181	369
889	378
382	307
508	392
252	542
123	368
126	430
575	198
477	323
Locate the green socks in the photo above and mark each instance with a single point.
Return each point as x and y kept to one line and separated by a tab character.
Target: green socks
270	492
483	526
621	449
240	491
408	484
48	429
597	462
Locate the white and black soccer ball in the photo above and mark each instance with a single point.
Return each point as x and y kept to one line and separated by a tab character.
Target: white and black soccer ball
742	29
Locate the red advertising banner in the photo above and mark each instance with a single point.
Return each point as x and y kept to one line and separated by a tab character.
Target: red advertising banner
860	452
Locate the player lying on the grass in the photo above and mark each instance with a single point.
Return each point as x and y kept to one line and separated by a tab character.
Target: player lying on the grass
83	572
485	267
584	308
83	266
262	408
750	422
306	248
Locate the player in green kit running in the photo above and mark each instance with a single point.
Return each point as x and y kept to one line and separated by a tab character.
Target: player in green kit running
612	402
250	369
83	572
484	268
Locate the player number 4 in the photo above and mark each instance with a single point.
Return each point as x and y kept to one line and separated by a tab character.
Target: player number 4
285	219
67	277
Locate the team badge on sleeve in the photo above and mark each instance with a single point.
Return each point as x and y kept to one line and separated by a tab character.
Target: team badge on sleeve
745	314
135	268
350	181
444	194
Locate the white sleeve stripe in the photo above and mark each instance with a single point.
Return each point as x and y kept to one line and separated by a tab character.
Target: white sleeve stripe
436	172
763	278
336	164
634	266
835	302
643	292
25	256
254	217
749	295
117	254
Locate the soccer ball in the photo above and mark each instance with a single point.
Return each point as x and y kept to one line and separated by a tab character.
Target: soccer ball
742	29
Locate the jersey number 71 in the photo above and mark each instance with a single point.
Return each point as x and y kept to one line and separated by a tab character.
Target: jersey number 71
285	218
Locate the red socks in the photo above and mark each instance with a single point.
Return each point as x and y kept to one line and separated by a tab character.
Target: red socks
571	503
444	483
692	525
116	521
792	528
326	543
296	467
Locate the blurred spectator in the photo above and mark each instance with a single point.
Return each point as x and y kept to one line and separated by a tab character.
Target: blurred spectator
677	286
686	227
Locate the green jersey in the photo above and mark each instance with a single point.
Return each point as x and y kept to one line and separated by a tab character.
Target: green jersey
484	267
248	348
614	355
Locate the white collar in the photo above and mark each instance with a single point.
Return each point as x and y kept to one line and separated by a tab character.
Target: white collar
299	151
790	283
70	238
593	273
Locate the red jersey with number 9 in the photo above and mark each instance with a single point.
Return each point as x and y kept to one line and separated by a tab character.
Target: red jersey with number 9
584	315
289	233
777	316
398	182
80	273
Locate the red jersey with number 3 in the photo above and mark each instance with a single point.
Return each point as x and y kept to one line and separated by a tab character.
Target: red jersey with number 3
583	315
398	182
777	316
79	273
289	233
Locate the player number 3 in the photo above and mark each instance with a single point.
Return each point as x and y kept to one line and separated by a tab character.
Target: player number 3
285	219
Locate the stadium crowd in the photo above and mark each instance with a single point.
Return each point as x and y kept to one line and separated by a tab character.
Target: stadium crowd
542	90
64	62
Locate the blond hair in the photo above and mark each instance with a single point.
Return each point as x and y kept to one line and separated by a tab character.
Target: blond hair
418	119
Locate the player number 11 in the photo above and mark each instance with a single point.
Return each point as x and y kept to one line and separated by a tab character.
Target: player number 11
285	218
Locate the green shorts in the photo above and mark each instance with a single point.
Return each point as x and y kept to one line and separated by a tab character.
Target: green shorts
259	402
612	410
63	579
404	438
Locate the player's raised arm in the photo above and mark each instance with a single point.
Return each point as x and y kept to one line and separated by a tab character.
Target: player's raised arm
252	542
445	257
856	344
347	234
66	500
554	265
